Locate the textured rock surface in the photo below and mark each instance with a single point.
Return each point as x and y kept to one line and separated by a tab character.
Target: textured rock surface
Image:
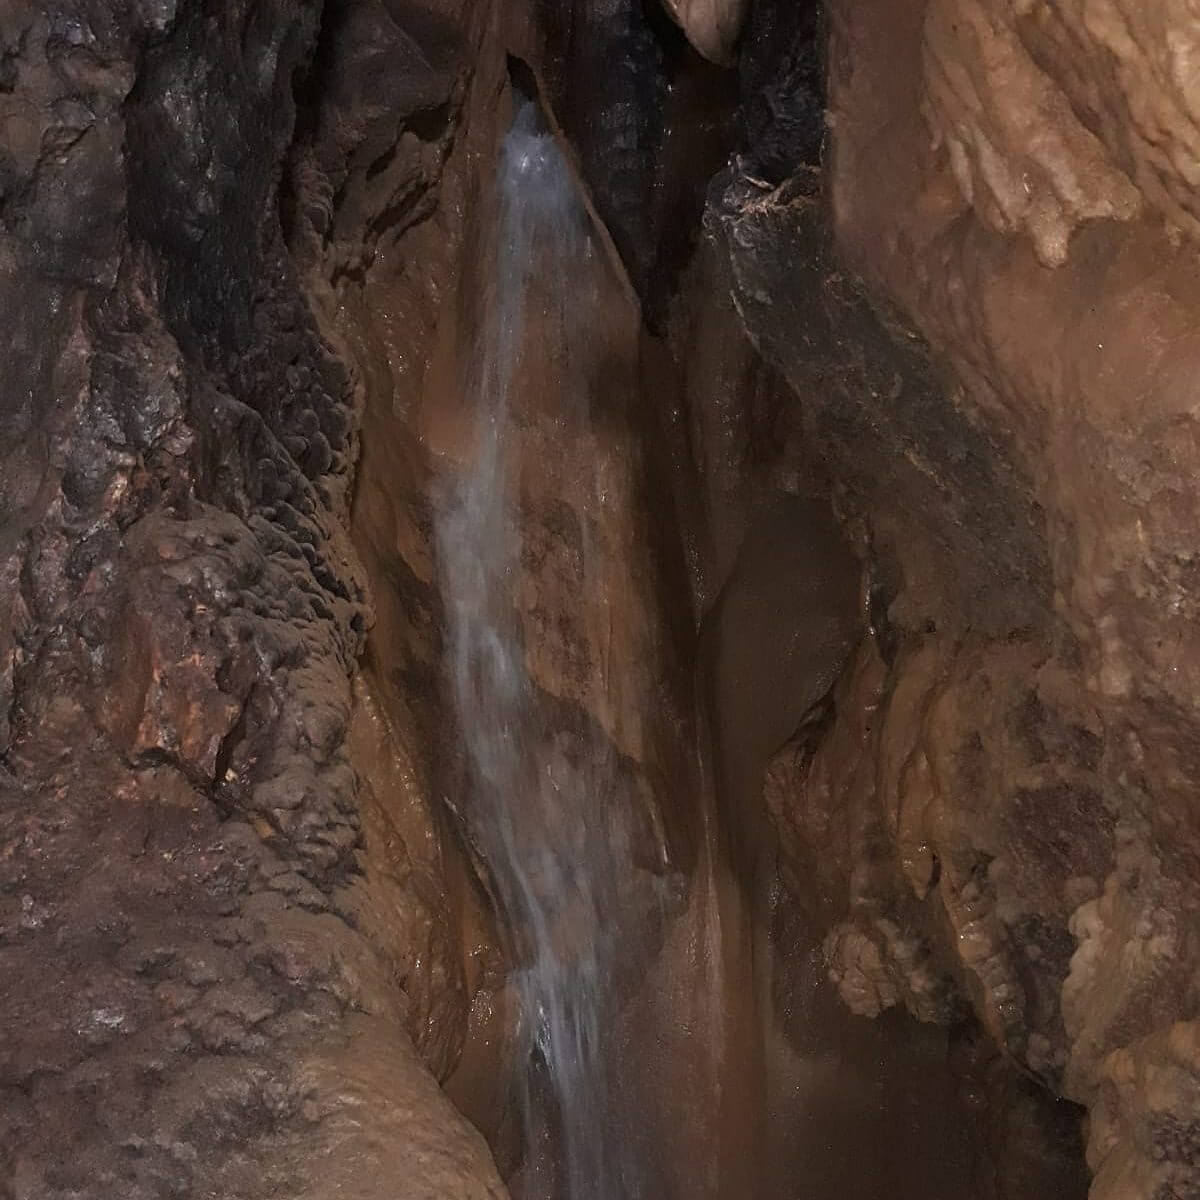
1006	422
1129	74
199	992
1057	356
215	216
1020	155
238	938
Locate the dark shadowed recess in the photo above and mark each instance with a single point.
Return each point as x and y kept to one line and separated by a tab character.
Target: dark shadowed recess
781	76
653	121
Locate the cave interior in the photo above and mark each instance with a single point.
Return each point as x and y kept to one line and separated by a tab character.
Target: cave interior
599	600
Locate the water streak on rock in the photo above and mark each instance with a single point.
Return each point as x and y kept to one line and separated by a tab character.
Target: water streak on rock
556	848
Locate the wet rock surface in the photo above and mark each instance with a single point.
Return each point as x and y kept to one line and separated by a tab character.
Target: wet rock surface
190	964
984	311
244	929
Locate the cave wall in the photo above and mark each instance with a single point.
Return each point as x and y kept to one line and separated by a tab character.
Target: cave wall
243	932
1049	266
242	937
393	218
983	303
199	992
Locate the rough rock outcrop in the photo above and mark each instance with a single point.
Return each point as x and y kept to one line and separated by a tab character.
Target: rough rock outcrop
195	994
990	356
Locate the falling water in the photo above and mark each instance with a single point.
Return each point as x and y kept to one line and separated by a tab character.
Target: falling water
544	807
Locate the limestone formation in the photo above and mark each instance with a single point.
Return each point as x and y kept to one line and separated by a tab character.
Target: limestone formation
931	263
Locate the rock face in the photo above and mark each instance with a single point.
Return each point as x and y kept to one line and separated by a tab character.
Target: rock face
1053	356
766	673
593	560
941	272
199	994
989	355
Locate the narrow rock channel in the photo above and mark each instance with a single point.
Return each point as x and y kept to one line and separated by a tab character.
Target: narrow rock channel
599	600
